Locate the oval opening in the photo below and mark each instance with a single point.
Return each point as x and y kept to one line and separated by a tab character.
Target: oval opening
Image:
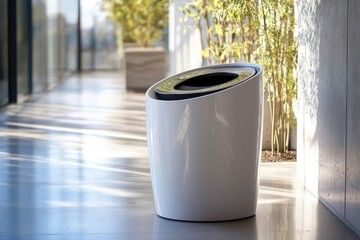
206	81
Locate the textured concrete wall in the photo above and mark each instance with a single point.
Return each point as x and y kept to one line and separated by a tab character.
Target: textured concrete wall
353	117
328	117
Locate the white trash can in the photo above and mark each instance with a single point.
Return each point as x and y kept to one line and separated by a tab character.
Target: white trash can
204	131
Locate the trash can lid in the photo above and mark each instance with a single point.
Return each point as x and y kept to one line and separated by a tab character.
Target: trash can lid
202	81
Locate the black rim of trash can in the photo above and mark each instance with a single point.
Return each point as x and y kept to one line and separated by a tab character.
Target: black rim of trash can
201	82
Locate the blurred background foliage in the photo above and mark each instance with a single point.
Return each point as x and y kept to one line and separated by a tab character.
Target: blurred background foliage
140	21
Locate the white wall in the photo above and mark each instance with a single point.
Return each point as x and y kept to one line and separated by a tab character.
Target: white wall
328	110
184	48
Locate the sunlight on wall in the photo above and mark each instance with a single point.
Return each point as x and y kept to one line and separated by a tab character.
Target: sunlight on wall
308	35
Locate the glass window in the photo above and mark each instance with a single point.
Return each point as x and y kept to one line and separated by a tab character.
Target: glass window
40	41
54	26
3	54
98	35
22	47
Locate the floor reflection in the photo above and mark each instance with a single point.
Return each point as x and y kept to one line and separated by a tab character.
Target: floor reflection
73	165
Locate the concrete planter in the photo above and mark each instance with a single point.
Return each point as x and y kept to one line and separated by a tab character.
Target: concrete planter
144	67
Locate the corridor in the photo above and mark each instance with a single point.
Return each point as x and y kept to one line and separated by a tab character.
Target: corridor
73	165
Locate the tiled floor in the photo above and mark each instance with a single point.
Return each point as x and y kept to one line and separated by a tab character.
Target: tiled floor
73	165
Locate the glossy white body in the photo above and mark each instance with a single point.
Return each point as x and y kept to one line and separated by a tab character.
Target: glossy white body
204	153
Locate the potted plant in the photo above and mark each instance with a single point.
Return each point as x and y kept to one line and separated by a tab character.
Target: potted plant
141	21
261	31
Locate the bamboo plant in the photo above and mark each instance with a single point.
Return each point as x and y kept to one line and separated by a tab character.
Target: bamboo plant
228	28
252	30
278	55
